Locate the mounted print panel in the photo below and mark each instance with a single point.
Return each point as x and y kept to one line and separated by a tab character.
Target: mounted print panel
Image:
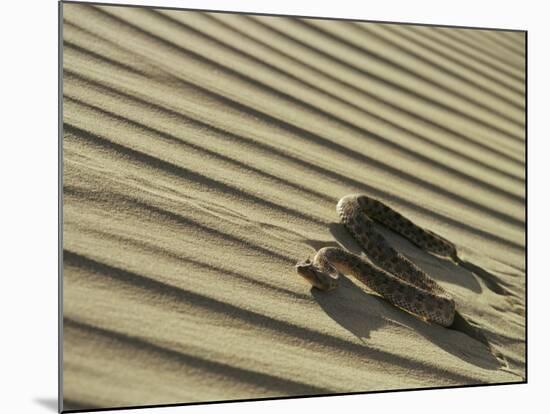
259	207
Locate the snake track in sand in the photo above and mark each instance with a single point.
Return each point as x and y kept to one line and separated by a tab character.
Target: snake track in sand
390	274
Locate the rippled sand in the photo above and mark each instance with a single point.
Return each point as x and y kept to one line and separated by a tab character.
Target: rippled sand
204	155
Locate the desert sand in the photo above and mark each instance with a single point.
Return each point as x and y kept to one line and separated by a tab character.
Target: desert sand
203	156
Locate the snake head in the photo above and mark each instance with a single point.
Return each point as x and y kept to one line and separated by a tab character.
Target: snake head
319	279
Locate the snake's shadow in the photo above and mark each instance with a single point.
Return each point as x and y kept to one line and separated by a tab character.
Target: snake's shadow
350	306
445	270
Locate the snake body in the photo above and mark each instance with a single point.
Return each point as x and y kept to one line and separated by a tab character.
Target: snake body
388	273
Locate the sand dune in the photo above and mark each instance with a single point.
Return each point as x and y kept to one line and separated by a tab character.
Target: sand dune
204	155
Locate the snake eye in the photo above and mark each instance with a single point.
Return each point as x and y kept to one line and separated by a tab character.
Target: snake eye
304	263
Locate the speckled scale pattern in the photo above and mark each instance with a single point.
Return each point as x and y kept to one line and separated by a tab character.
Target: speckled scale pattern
390	274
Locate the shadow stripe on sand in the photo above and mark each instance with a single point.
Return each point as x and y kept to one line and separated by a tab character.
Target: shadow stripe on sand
185	173
233	373
176	218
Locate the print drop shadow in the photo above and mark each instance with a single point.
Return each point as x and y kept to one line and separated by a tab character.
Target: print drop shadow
338	305
48	403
